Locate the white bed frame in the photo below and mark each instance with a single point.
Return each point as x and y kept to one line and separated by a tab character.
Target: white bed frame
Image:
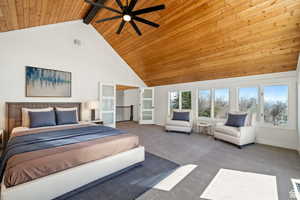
57	184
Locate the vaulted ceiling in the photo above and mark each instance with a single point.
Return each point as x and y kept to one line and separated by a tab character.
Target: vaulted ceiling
198	40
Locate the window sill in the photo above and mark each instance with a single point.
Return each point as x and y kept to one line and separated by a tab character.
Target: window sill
287	127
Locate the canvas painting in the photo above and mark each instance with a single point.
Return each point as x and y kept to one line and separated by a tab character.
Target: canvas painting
47	83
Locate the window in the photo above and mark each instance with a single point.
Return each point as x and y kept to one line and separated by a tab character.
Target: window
180	100
186	100
204	103
248	100
221	103
174	100
276	104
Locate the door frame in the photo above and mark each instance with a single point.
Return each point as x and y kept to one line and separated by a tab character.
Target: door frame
141	121
101	84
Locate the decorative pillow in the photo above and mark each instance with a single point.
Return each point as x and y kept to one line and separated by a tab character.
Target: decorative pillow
68	109
41	119
181	116
236	120
25	114
66	117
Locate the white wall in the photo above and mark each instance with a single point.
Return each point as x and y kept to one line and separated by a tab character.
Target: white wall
52	47
131	97
298	118
287	138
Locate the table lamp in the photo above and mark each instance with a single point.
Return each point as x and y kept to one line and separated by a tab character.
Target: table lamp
92	105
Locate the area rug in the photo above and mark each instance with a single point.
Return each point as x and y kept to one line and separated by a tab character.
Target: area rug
128	185
237	185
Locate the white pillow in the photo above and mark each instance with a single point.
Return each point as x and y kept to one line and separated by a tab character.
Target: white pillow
25	114
68	109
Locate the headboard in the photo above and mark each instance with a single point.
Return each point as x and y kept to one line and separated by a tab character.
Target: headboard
14	112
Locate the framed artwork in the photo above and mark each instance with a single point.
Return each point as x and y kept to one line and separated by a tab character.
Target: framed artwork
47	83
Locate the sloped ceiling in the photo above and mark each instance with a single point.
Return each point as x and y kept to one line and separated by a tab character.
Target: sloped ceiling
197	40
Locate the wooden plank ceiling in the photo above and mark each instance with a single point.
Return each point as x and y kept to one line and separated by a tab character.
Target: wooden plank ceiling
197	40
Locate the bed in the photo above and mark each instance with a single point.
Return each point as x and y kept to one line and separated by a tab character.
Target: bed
54	165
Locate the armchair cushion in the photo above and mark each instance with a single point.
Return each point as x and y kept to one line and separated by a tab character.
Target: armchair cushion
228	130
236	120
181	116
178	123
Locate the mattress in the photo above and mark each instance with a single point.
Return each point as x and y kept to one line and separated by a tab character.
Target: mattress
32	165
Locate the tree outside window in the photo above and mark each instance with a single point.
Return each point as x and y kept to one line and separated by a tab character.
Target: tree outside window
186	98
248	100
276	104
174	100
221	103
204	103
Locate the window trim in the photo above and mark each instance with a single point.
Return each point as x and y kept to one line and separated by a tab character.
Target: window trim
262	122
258	99
234	102
180	100
213	105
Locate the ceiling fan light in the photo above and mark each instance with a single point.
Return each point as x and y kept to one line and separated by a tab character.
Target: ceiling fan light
127	18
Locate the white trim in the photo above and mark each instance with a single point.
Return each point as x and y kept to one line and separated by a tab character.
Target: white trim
180	100
57	184
101	98
142	98
197	104
260	103
229	101
262	123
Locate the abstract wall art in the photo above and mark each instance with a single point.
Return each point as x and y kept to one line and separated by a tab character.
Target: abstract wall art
47	83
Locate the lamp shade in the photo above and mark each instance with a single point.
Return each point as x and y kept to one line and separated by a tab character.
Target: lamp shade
92	104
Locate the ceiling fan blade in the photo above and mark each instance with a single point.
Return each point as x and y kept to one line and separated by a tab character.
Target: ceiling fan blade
119	4
132	5
136	28
121	27
146	22
147	10
107	19
103	6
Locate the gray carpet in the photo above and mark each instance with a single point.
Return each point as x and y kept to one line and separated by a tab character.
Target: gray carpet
127	185
210	156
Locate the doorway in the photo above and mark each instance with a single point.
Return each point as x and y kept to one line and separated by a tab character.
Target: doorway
127	103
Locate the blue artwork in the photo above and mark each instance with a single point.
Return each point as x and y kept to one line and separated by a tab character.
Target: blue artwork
47	83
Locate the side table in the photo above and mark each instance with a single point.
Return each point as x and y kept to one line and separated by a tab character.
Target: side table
205	128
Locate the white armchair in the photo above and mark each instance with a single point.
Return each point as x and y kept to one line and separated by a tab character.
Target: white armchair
180	126
239	136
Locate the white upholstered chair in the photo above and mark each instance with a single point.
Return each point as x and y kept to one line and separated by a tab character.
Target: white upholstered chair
180	126
238	136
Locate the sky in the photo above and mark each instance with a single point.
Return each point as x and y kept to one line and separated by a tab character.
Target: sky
276	93
248	92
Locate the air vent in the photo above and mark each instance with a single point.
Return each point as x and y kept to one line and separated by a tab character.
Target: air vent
296	184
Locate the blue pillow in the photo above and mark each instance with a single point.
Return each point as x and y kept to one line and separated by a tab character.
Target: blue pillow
41	119
181	116
66	117
236	120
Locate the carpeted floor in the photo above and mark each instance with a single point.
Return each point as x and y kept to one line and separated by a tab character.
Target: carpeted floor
127	185
210	156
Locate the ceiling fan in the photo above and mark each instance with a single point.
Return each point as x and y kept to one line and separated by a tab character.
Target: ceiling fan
128	14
